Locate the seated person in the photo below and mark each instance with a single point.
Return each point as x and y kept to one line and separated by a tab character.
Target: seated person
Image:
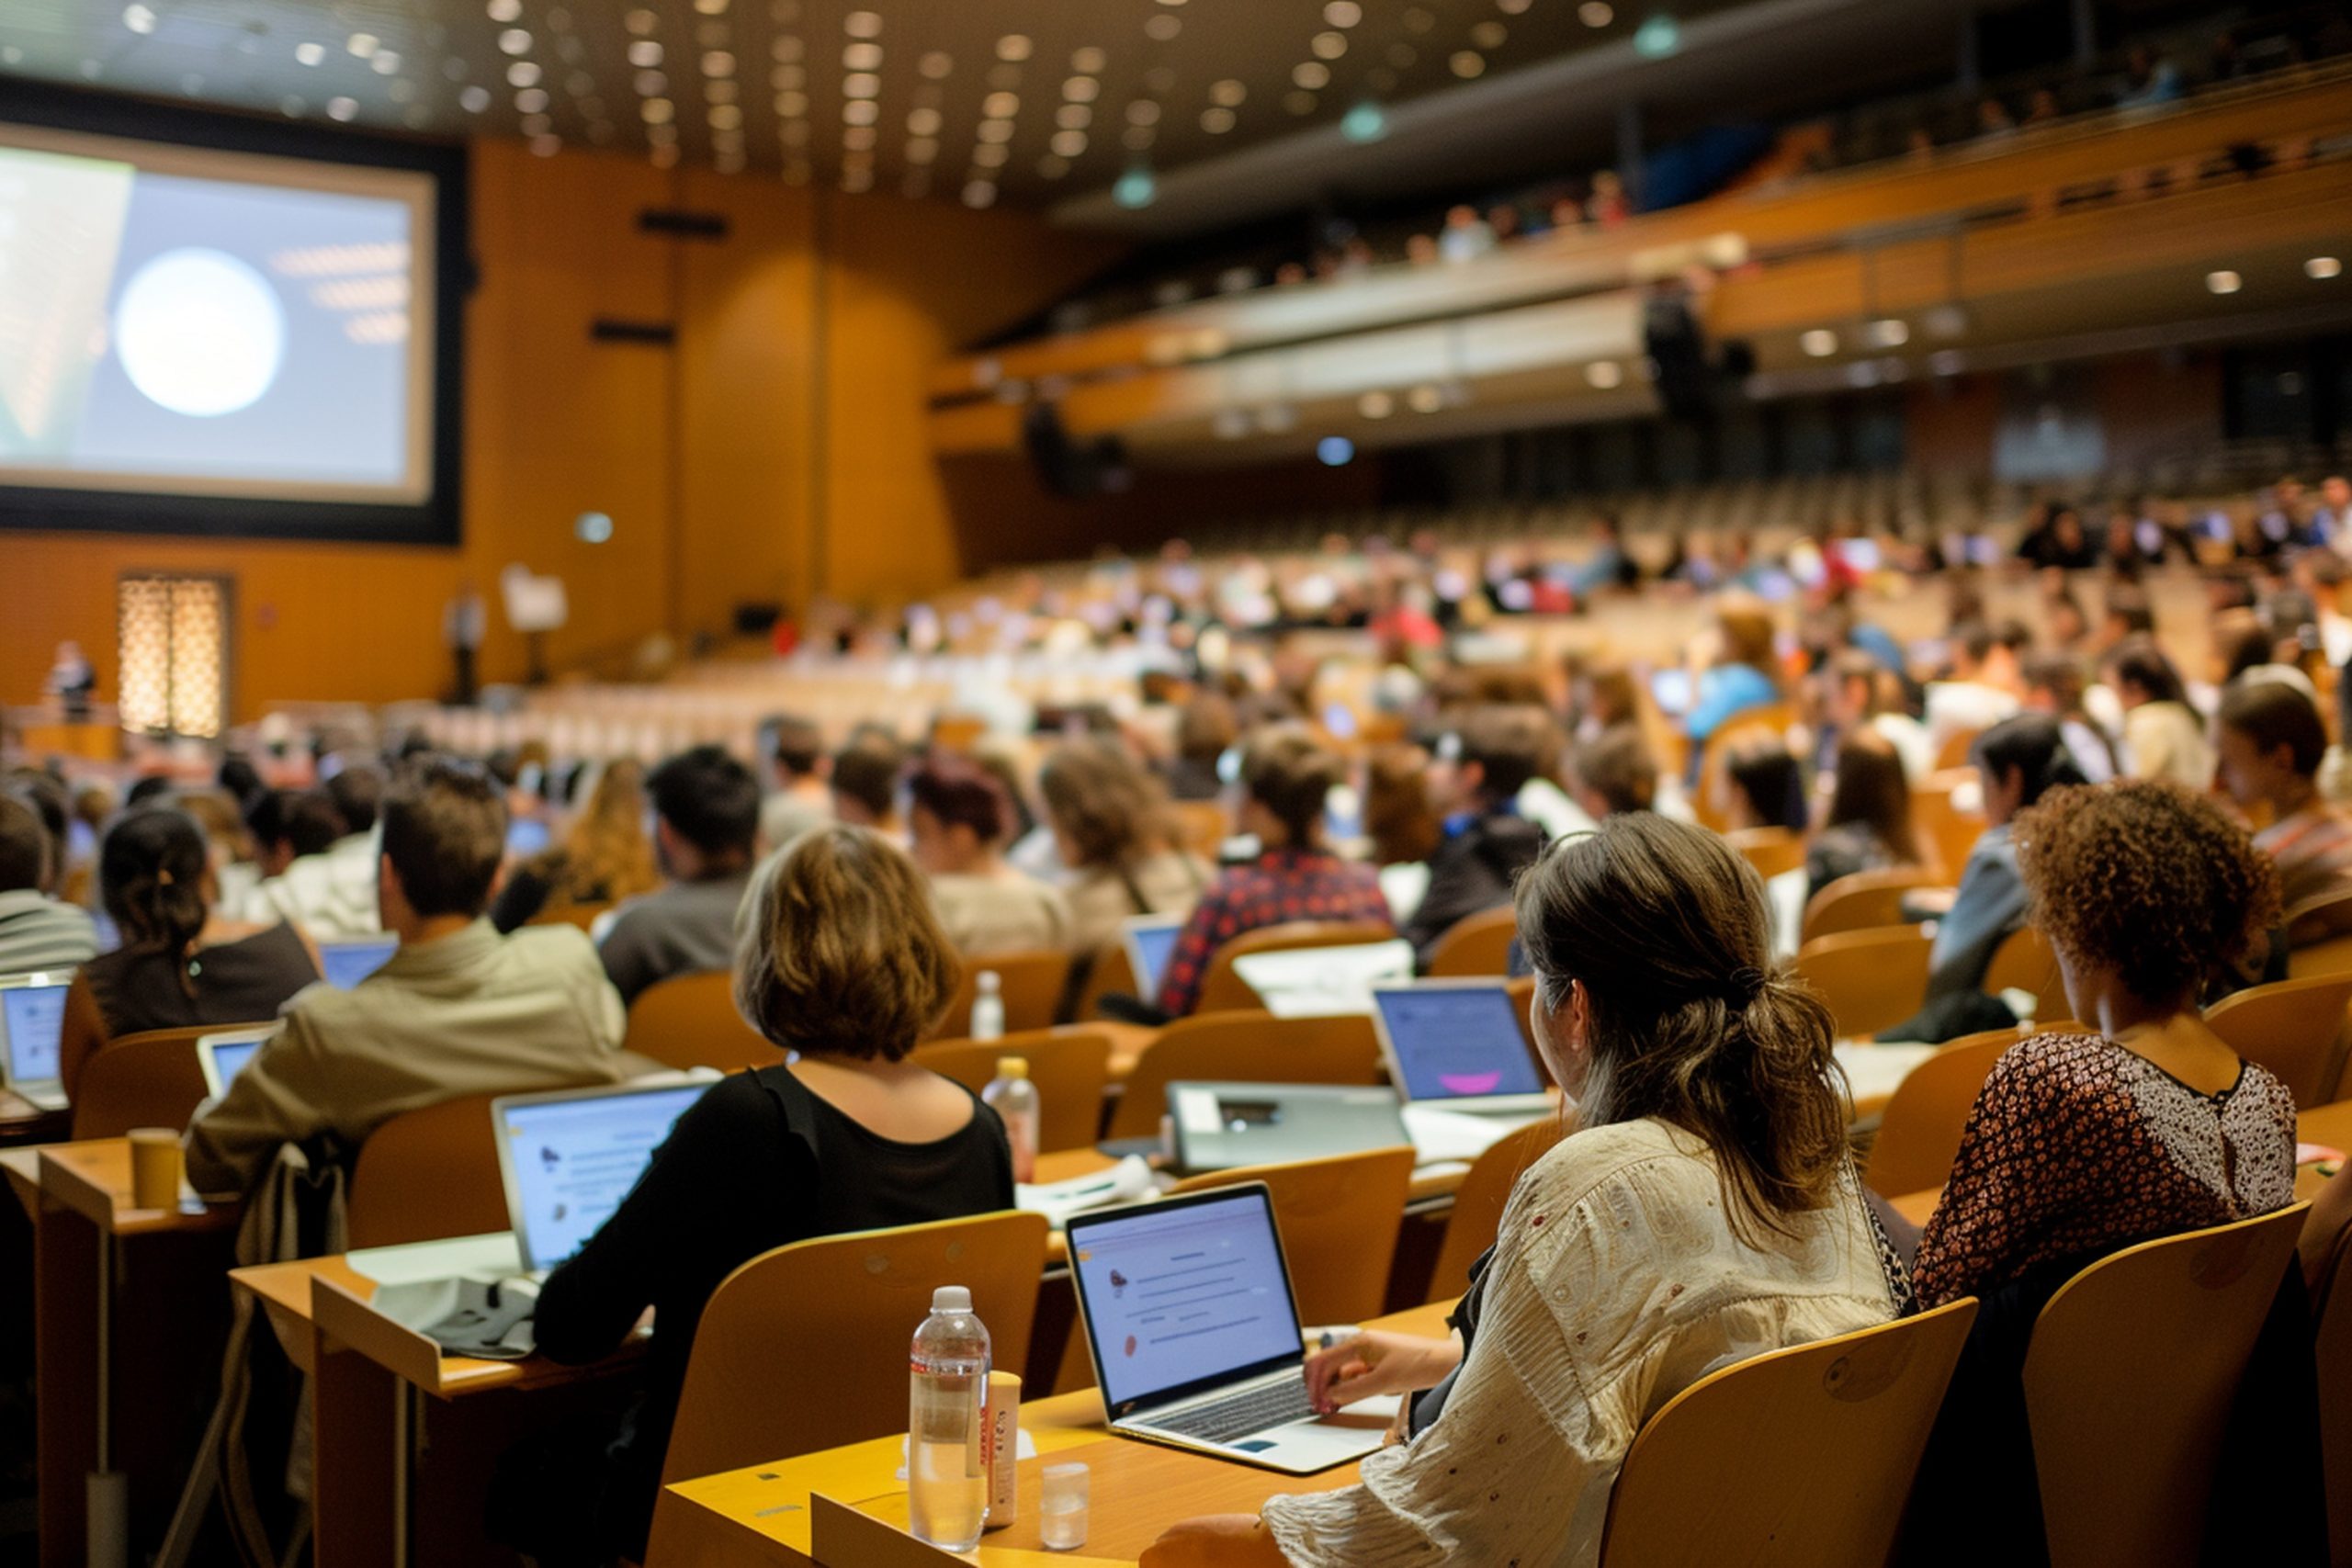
1742	675
2017	762
1111	828
1986	684
2163	736
37	932
607	855
1703	1211
958	820
1615	773
1859	693
459	1009
2083	1144
802	799
180	963
1764	782
843	962
1869	825
706	833
864	784
1287	775
2271	745
327	891
1474	781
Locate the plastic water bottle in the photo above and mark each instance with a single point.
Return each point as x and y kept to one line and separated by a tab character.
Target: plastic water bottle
1015	1099
947	1484
988	1007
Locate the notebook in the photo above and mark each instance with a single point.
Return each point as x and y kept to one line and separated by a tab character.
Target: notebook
32	1024
567	1159
1187	1313
347	961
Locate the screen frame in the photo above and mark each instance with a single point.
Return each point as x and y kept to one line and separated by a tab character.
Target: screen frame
27	980
436	520
1393	1057
510	1178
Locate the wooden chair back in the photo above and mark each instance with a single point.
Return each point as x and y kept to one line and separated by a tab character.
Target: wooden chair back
426	1175
1865	901
1069	1069
1476	944
1244	1046
1479	1203
2333	956
149	1079
581	915
1030	984
2314	920
1203	825
1709	799
1956	749
1773	851
1872	979
957	734
689	1021
1848	1419
839	1311
1947	831
2024	963
2295	1028
1114	974
1223	990
1919	1131
2129	1379
2333	1349
1340	1217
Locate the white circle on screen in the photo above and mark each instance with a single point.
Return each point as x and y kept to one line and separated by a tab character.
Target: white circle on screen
200	332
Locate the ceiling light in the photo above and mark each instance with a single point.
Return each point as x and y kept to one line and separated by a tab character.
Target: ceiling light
1605	374
1329	46
862	24
979	193
342	108
1425	399
1230	93
1001	106
1596	14
860	111
1820	343
861	84
310	53
1511	8
656	111
1216	122
361	44
1136	189
1489	34
1012	47
639	21
935	64
1162	27
995	130
1375	405
990	156
1658	38
1365	122
1311	75
650	83
531	100
1074	117
523	74
1343	13
719	62
473	101
2319	269
1069	143
1081	89
504	10
139	18
1892	332
1467	62
2225	282
924	122
862	57
514	41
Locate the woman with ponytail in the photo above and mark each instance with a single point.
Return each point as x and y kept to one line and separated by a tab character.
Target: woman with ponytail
180	964
1705	1211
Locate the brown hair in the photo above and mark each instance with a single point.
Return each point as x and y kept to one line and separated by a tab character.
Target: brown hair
1397	817
1286	770
444	832
1872	790
1511	743
866	771
837	949
2272	714
1747	625
607	855
1105	803
1618	767
1666	927
1205	727
961	793
2146	878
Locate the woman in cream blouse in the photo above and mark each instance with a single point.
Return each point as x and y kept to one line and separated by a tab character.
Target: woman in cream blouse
1705	1212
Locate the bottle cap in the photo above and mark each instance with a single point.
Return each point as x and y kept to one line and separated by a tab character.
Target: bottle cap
1012	1067
951	1298
988	983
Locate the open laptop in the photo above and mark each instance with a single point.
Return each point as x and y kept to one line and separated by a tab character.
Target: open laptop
1187	1313
223	1055
32	1023
1316	982
569	1157
1223	1126
1150	938
347	959
1458	1044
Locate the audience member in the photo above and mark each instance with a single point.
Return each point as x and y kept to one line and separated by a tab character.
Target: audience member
959	823
36	930
2054	685
1287	775
1400	826
1742	675
1984	684
1705	1210
1205	730
327	891
2162	737
1864	693
1474	782
2271	743
864	784
1869	825
607	856
1615	773
1110	823
1466	236
2017	762
802	798
706	833
458	1010
1764	782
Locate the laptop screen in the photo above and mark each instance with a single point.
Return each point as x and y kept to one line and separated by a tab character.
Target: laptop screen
570	1162
1457	1041
527	836
33	1017
230	1053
348	962
1148	950
1185	1294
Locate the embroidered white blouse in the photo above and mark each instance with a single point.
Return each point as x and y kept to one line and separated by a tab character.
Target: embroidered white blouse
1616	1283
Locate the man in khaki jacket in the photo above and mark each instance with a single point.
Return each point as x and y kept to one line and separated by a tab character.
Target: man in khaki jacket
459	1009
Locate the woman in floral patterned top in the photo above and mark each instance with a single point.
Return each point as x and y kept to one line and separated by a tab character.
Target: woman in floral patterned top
2084	1144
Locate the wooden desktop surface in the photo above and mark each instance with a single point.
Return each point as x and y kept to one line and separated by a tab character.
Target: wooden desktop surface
92	1179
22	1121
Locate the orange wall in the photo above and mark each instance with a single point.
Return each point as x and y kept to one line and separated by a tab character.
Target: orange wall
778	449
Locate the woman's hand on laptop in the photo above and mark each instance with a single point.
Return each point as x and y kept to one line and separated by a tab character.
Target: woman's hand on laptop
1377	1363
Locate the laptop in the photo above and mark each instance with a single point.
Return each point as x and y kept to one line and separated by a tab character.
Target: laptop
1223	1126
223	1055
569	1157
1318	982
1458	1044
347	959
32	1023
1150	938
1187	1313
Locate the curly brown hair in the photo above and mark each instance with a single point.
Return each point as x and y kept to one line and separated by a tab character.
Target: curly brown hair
2146	878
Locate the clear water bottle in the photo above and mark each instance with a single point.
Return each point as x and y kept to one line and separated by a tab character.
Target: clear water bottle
988	1007
1015	1099
947	1482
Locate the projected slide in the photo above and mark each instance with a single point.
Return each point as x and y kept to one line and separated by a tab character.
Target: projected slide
184	322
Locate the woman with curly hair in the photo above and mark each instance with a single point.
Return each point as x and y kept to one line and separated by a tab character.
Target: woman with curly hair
2083	1144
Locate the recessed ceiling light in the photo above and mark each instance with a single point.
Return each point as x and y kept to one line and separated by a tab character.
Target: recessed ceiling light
1074	117
474	99
2319	269
1012	47
979	193
1375	405
1311	75
531	100
1425	399
861	84
1230	93
1891	333
1069	143
1143	111
1365	123
862	24
924	122
1343	13
719	62
656	111
1329	46
860	111
139	18
645	52
342	108
861	56
504	10
1511	8
641	21
1001	106
523	74
994	131
514	41
1467	62
1162	27
1605	374
1596	14
650	83
1820	343
310	53
1216	122
361	44
2225	282
1658	38
1081	89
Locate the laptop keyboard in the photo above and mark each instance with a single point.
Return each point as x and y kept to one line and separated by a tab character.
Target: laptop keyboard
1240	1414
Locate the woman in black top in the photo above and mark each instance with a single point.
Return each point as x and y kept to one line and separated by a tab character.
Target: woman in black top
841	960
179	965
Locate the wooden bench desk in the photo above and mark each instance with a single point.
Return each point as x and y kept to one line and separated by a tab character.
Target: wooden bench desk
22	1121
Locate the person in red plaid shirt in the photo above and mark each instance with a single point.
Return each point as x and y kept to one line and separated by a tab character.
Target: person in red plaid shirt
1285	773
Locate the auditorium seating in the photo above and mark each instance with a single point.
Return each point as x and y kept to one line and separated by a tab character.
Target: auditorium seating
1069	1067
1223	990
2295	1028
1244	1046
1872	979
689	1021
1339	1218
1479	1203
152	1079
1919	1131
426	1175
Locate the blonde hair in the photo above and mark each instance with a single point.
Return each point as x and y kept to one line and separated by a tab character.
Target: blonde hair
607	855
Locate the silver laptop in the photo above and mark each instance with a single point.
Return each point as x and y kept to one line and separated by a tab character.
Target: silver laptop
33	1025
347	959
1223	1126
223	1055
1318	982
568	1157
1150	938
1458	1044
1187	1313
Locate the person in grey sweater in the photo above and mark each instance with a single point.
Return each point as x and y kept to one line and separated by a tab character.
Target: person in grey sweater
706	823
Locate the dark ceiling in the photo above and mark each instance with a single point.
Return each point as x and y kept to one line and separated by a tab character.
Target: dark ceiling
1022	101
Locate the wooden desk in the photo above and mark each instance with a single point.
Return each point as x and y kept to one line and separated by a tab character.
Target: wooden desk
125	1402
760	1516
22	1121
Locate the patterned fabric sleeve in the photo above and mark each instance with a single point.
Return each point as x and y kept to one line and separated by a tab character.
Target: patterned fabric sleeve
1188	963
2003	1183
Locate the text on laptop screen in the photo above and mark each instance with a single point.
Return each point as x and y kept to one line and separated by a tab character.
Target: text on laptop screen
345	963
1175	1295
230	1057
1458	1042
574	1160
35	1019
1152	946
